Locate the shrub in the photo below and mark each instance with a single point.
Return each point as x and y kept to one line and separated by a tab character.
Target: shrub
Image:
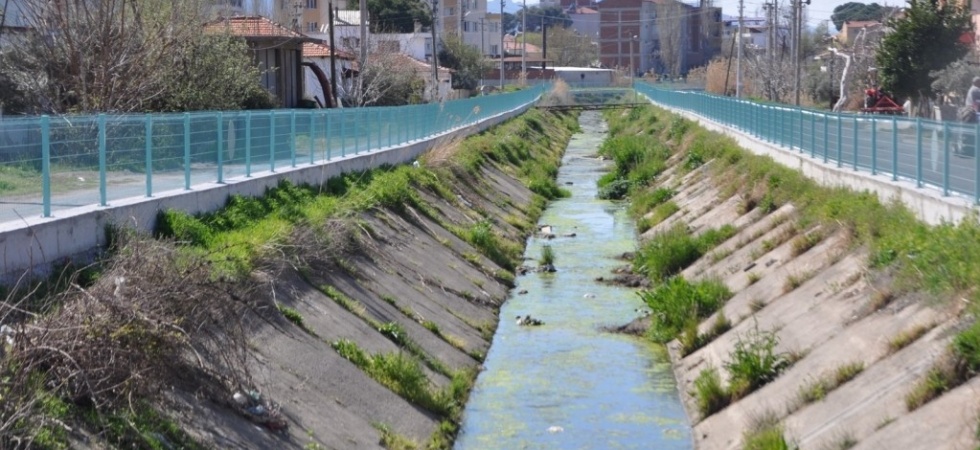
691	340
755	362
765	434
966	345
667	253
182	227
710	394
677	302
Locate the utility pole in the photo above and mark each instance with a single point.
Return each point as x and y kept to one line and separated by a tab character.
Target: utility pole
333	59
364	38
435	51
799	45
462	17
738	63
544	45
524	43
793	44
502	51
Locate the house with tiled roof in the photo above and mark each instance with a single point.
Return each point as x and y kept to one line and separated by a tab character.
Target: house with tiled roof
277	50
318	74
853	28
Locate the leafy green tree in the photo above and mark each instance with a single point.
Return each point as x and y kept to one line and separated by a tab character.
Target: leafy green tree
552	16
214	72
858	11
466	60
397	16
510	22
927	39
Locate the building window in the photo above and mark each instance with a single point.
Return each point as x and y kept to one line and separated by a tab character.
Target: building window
494	49
351	42
311	4
450	11
312	27
428	46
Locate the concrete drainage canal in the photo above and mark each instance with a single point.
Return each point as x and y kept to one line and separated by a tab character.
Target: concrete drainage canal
566	383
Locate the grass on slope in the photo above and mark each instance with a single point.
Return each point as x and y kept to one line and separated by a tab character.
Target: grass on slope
225	247
941	259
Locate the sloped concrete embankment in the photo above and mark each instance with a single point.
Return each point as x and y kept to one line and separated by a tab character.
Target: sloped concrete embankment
828	310
413	271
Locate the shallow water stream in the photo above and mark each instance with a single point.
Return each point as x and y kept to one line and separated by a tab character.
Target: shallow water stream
567	384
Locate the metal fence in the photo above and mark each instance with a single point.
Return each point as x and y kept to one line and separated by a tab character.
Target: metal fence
926	152
60	162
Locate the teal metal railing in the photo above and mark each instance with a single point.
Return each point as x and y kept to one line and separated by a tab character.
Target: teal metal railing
58	162
926	152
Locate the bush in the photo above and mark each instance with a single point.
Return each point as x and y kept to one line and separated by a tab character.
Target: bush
754	362
676	302
966	345
182	227
711	396
669	252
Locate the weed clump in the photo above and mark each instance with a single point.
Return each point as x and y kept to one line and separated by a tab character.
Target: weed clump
677	302
669	252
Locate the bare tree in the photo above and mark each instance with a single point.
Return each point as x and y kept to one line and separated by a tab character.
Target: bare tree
568	48
388	78
107	55
670	32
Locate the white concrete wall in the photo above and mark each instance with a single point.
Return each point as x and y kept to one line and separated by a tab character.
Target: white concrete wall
79	234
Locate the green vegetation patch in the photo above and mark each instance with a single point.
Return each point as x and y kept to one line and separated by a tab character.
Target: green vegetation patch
670	251
676	303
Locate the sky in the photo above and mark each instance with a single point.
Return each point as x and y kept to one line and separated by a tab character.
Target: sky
818	10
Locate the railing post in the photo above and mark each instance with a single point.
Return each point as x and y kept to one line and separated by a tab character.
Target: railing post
343	137
918	152
813	134
272	141
248	144
148	152
46	164
894	149
187	151
328	138
976	163
312	136
292	138
945	159
221	141
103	195
840	142
826	136
874	147
854	145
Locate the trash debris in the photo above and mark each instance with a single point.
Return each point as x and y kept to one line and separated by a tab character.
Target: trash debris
589	295
260	411
555	429
527	320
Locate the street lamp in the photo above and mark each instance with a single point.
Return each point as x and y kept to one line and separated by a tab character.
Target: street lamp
632	72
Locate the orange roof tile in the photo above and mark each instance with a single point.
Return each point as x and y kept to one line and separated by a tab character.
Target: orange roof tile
319	50
251	27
